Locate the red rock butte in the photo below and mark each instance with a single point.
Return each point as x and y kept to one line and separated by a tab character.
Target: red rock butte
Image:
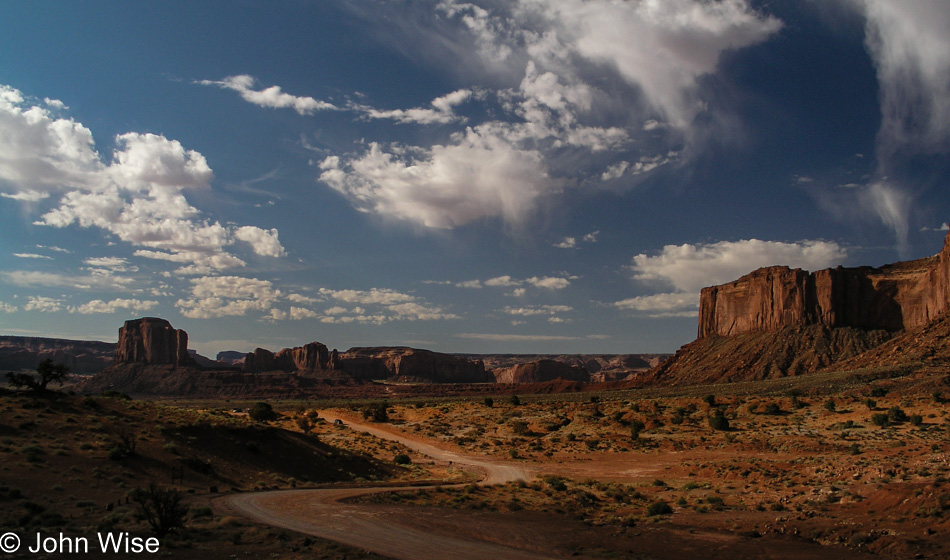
894	297
151	340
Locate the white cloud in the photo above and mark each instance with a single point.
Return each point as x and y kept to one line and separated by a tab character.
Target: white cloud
31	278
442	111
538	310
474	284
910	48
223	296
679	304
43	304
549	282
391	306
99	306
542	54
688	268
502	282
272	97
591	237
139	196
263	242
298	313
660	47
909	44
481	174
7	308
383	296
567	243
298	298
26	196
32	256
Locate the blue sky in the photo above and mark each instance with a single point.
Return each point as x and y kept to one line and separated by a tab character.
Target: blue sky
529	176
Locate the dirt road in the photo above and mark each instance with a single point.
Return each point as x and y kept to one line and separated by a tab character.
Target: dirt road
385	530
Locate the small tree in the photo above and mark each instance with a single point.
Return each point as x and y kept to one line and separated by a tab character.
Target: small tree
262	412
161	508
636	426
377	412
718	421
46	372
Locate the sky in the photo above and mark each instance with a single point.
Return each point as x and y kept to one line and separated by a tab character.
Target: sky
524	176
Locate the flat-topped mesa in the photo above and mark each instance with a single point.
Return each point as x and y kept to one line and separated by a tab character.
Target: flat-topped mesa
309	358
894	297
152	341
410	364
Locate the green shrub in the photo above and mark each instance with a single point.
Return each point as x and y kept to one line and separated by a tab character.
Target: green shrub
896	415
718	421
262	412
880	419
659	507
402	459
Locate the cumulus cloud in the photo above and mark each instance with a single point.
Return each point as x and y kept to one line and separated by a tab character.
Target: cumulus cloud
100	306
272	96
537	310
390	305
480	175
139	196
224	296
567	243
7	308
542	54
263	242
549	282
678	304
689	268
43	304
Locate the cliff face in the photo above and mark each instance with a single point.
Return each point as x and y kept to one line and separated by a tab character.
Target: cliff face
894	297
540	371
152	341
410	364
310	358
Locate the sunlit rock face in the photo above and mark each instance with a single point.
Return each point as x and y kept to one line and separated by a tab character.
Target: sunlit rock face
894	297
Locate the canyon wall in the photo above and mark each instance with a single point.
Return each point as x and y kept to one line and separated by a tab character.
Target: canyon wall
152	341
893	297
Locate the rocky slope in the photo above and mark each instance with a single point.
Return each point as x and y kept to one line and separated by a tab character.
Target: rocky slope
778	321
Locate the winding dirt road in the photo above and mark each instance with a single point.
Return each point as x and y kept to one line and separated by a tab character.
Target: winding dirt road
384	530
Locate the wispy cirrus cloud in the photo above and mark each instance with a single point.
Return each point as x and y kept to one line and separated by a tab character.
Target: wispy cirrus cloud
540	55
273	97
